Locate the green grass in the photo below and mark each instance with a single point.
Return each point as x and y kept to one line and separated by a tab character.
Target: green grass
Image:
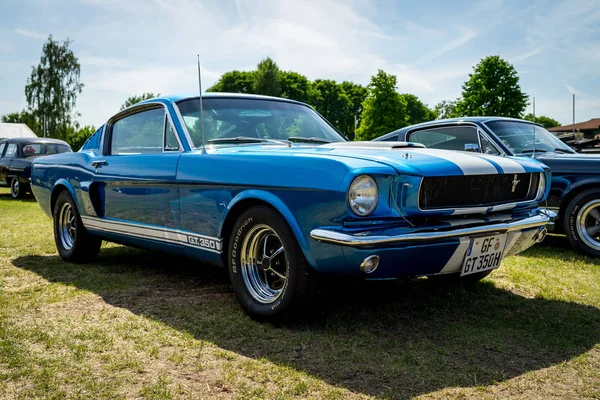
140	325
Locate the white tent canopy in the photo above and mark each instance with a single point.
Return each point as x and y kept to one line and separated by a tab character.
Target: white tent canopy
9	130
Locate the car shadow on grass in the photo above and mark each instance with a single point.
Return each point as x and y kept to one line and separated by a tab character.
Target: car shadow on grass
393	339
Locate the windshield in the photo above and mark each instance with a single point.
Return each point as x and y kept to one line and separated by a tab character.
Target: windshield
43	149
254	118
519	137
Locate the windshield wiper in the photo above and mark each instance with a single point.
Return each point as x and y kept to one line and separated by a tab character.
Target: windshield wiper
534	151
300	139
239	139
559	150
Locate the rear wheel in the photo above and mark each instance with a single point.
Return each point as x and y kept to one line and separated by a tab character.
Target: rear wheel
16	189
73	242
268	271
582	222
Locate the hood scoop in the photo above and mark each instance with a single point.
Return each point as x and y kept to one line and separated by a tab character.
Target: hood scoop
372	145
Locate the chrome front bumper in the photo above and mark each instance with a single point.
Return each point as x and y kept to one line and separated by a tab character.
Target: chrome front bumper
363	239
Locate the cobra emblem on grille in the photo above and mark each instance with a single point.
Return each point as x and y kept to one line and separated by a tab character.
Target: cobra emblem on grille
515	182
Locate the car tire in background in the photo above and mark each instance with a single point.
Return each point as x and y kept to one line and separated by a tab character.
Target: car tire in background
582	222
267	268
16	189
73	242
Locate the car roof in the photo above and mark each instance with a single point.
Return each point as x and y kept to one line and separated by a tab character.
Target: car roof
33	140
450	121
214	95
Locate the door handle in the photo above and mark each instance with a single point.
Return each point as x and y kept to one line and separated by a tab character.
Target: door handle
97	163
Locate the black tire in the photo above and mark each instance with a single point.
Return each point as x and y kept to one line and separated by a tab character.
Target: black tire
466	281
73	242
17	191
575	222
245	236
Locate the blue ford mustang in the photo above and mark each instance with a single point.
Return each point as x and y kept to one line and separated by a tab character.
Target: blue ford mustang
269	189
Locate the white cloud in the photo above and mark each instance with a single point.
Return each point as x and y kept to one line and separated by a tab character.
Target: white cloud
31	33
572	90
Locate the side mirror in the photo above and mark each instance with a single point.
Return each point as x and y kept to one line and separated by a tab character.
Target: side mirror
472	147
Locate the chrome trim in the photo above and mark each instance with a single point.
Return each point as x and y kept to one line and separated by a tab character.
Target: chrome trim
346	239
183	125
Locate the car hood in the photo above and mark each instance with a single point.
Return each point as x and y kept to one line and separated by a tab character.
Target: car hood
571	163
405	158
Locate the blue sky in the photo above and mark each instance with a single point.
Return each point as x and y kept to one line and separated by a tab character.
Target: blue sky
127	47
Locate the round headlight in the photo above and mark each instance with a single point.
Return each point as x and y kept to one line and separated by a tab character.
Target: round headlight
362	195
541	187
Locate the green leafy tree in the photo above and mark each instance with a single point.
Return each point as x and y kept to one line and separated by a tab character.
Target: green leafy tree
136	99
351	117
446	109
330	100
493	89
234	82
416	110
546	122
294	86
267	78
23	117
384	110
77	136
53	86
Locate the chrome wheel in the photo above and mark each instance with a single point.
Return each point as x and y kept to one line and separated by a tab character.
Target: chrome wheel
15	188
264	265
588	223
66	226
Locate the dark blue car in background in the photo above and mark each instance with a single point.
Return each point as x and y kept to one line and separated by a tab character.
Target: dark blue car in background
575	189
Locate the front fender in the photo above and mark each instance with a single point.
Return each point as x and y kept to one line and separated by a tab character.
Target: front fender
277	204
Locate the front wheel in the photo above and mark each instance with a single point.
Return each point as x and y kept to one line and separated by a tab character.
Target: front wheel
73	242
582	222
16	189
268	271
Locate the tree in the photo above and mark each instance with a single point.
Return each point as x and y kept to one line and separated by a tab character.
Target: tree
77	136
446	109
234	82
546	122
329	100
294	86
351	117
416	110
136	99
23	117
267	78
53	86
493	89
383	110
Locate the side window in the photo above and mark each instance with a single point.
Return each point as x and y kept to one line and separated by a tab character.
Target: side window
11	150
2	146
140	133
463	138
171	142
487	147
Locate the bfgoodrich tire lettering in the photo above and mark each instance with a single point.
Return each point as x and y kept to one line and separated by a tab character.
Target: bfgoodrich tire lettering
73	242
268	271
582	222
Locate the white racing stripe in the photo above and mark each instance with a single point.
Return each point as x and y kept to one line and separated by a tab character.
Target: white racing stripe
151	232
508	166
469	164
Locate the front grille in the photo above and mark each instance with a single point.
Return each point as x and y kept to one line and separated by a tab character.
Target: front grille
476	190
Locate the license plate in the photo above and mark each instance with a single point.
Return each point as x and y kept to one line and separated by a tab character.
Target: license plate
484	253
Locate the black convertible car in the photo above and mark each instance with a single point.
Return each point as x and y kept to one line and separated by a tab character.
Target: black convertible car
16	156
